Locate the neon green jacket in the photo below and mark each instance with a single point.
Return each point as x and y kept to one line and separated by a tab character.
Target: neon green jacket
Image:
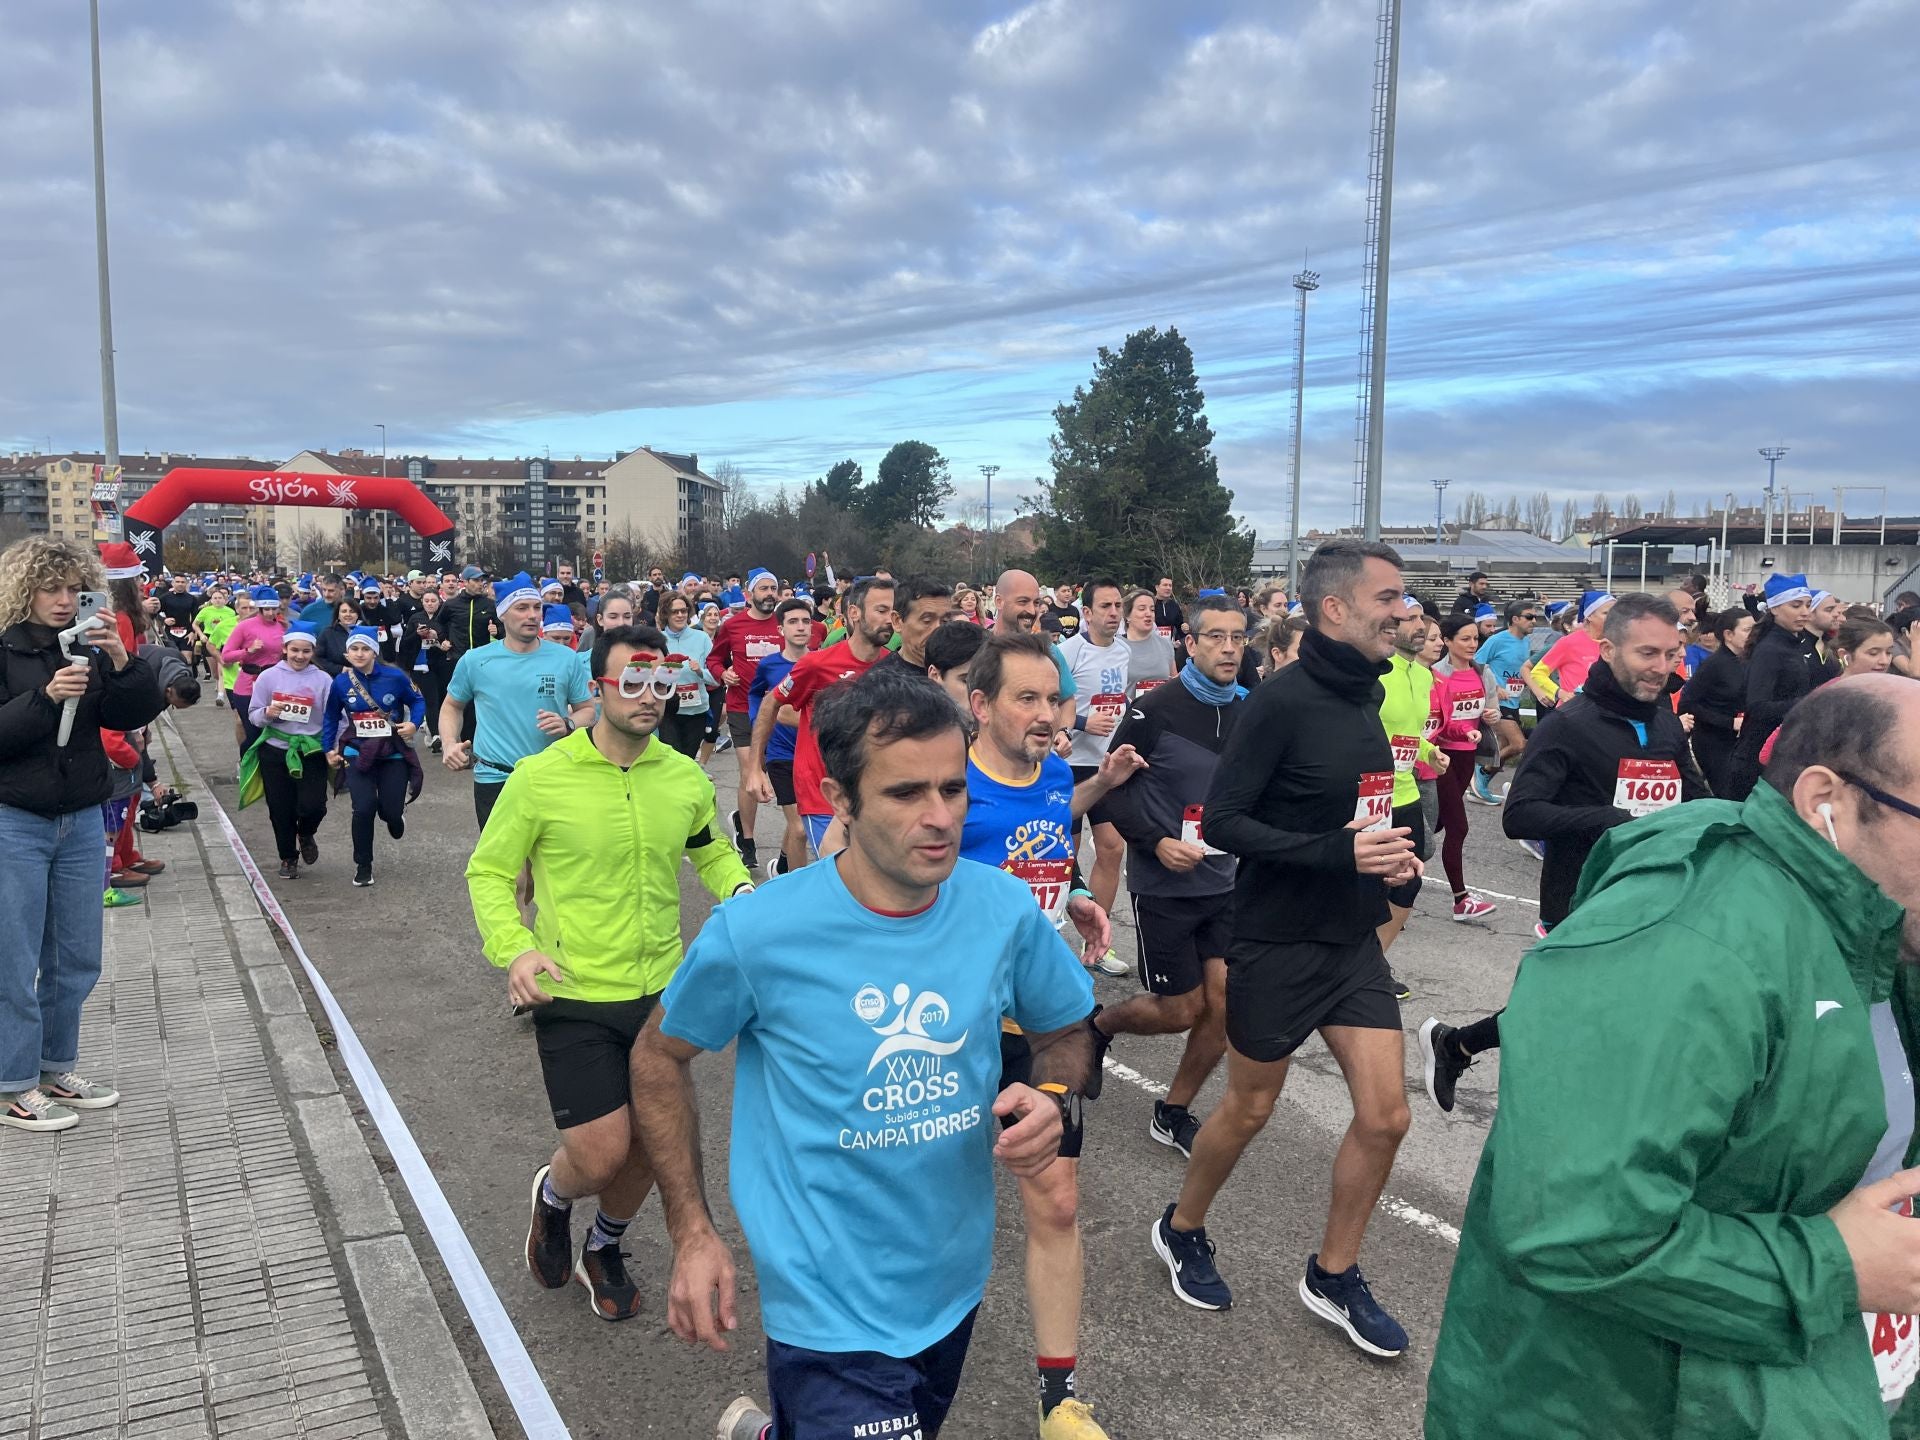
1403	711
1688	1082
605	846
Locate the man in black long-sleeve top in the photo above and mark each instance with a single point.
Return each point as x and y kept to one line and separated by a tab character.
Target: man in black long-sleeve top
1304	796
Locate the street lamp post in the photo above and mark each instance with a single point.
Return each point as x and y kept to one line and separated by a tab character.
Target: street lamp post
1771	454
990	471
1439	524
109	404
384	516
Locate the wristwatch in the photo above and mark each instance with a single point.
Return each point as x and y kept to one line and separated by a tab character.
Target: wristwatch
1067	1100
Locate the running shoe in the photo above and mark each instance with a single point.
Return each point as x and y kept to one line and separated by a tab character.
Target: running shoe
219	702
433	744
610	1294
777	866
1101	1040
363	875
1346	1301
1444	1060
1189	1258
289	869
129	879
1536	848
1071	1420
310	849
749	856
113	899
723	744
73	1090
1401	990
32	1110
739	835
1480	791
1471	907
1111	964
397	826
743	1420
1540	929
549	1238
1173	1125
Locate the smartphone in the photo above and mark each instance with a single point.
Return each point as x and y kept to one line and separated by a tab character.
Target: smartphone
91	603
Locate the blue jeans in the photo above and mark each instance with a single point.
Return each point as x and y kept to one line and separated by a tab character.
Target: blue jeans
49	938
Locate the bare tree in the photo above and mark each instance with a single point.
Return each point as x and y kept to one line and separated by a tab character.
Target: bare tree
1470	511
1631	510
1602	513
1510	513
1569	519
1540	514
1671	510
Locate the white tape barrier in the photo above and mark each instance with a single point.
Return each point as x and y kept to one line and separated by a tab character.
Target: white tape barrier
524	1387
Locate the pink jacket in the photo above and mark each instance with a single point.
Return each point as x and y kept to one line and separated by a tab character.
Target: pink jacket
255	643
1460	699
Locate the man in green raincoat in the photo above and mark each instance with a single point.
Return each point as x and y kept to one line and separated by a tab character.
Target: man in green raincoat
1688	1222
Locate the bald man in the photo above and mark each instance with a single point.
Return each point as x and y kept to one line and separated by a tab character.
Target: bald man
1019	613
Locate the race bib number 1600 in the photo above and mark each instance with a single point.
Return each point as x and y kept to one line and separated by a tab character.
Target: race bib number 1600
1646	787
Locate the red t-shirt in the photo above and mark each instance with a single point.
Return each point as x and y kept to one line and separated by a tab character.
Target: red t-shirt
743	642
811	675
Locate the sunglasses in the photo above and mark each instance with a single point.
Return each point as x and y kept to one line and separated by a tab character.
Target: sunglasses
637	680
1879	796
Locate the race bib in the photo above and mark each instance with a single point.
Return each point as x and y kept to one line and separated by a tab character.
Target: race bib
1468	708
758	649
1895	1344
296	708
178	632
1191	832
1434	725
1406	749
1112	706
1166	630
1051	882
1145	685
381	634
1646	787
1375	805
371	725
1515	688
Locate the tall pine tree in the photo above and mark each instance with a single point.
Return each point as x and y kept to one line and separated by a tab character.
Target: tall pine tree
1136	490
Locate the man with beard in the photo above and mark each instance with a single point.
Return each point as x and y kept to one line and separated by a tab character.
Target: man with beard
1694	1185
746	637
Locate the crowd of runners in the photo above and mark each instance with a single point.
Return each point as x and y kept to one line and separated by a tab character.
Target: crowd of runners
1689	1217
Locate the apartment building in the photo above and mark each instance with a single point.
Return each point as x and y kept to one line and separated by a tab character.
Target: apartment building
54	494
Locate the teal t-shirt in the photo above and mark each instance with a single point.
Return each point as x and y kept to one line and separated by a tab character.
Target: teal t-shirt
869	1059
508	689
1508	656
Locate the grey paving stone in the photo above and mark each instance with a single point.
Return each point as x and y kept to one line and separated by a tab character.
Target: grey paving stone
357	1196
303	1063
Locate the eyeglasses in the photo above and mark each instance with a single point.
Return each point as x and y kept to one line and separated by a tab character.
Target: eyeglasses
1223	637
1529	618
1879	796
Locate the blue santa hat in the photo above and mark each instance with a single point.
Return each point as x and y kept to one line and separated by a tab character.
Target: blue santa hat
369	586
689	576
513	590
557	617
265	596
1485	611
1204	593
363	635
1819	598
1592	602
547	582
1557	608
300	630
753	576
1785	589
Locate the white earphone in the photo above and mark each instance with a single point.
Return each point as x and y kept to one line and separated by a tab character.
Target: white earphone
1825	812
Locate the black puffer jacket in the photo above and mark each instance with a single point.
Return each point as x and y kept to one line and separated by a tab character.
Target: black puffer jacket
36	774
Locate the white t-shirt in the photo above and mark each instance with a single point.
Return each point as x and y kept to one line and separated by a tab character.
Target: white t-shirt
1100	682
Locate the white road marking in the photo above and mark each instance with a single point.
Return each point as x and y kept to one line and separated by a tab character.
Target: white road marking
1399	1209
1496	895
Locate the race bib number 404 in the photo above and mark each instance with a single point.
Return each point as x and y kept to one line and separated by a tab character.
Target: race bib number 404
1646	787
1374	807
1051	882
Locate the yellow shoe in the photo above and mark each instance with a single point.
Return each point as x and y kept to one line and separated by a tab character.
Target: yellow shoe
1071	1420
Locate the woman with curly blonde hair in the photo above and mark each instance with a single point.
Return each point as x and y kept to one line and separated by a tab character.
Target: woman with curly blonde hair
51	831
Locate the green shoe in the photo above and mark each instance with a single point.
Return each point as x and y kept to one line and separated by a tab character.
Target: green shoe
114	899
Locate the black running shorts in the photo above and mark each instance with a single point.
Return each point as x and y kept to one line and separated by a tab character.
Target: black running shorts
780	773
1414	818
1280	993
584	1049
484	797
740	730
1177	935
1016	1068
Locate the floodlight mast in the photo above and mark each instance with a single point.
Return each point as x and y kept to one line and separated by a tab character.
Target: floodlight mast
1306	282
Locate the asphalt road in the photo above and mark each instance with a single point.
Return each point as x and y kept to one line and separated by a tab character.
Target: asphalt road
404	960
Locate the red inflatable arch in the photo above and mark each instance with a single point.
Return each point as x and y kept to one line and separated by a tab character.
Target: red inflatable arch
186	485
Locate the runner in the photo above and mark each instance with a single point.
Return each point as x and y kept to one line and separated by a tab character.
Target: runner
1693	1186
178	607
524	693
211	626
1100	664
795	619
1864	647
1407	716
1182	887
920	606
684	726
835	1140
1563	668
1783	664
1304	796
951	651
253	646
1715	695
1506	657
287	710
607	800
372	713
1061	618
1167	615
1463	699
869	614
1473	597
748	636
425	655
1610	754
1150	655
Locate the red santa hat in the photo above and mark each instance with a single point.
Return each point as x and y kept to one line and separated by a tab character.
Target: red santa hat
121	562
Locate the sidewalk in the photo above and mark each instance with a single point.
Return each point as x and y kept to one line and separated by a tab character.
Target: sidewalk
217	1255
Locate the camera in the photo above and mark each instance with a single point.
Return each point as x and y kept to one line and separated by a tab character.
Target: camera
156	815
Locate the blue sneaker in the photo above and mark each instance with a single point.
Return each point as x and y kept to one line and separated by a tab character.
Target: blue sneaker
1189	1257
1345	1300
1480	790
1536	848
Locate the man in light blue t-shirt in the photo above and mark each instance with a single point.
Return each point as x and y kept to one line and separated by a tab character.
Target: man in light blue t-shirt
526	692
1507	655
866	994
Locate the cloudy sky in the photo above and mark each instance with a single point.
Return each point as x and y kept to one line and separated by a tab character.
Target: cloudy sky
1633	239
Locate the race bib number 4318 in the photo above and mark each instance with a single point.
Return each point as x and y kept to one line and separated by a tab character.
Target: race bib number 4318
1646	787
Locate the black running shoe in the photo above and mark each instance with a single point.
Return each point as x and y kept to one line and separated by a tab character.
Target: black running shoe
610	1294
397	826
1444	1061
1189	1259
549	1238
1173	1125
363	875
1101	1040
309	849
289	869
749	856
739	834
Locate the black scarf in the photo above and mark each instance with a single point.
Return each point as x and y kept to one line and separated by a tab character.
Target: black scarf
1604	690
1339	667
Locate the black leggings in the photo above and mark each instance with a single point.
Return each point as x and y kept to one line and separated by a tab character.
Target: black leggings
433	689
1713	748
1452	788
684	731
381	791
295	805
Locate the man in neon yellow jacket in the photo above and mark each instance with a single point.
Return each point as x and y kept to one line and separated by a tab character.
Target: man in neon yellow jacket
603	817
1689	1221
